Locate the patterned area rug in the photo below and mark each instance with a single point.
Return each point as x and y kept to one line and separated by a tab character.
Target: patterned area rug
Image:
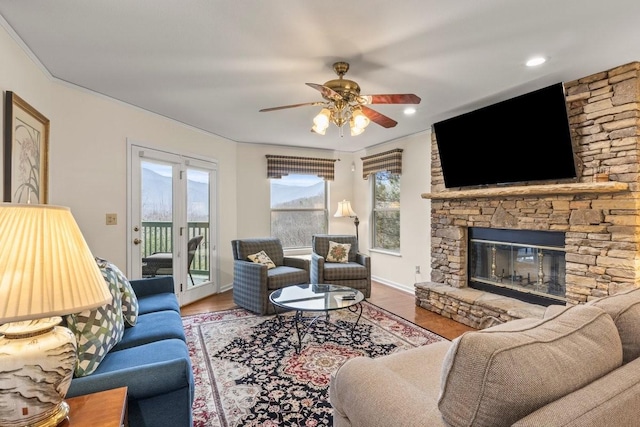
248	373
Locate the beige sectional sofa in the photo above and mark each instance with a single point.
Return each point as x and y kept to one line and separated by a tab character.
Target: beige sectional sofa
576	367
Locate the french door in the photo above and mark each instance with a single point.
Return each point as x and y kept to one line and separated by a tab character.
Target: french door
172	220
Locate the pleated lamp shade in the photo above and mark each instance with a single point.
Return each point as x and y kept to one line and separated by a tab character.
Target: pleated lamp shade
46	267
344	209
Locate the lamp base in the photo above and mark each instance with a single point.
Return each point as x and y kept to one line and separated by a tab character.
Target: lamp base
357	223
58	415
37	361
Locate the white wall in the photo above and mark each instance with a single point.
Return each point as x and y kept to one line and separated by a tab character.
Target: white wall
88	152
87	171
415	232
253	187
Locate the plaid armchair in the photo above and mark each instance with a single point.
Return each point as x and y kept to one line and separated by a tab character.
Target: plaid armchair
253	282
356	273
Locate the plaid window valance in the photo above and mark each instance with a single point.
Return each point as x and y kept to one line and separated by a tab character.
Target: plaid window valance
390	161
278	166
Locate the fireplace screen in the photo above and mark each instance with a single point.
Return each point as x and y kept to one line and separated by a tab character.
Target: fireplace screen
533	269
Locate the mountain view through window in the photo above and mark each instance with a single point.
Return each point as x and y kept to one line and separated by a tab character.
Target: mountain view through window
298	209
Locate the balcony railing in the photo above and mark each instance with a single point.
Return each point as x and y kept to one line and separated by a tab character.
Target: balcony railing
157	236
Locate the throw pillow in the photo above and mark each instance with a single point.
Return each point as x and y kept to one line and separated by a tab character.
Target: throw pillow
262	258
129	298
98	330
338	252
499	375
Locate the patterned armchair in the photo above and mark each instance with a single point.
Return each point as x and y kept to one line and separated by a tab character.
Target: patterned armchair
253	282
356	273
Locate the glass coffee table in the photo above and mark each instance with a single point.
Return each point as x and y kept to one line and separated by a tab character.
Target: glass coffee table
317	299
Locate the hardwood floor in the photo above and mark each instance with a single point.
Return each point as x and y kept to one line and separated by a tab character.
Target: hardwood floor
391	299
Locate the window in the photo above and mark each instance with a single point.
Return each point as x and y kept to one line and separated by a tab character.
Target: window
298	209
386	211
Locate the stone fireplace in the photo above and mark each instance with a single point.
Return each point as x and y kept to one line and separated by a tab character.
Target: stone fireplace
600	221
528	265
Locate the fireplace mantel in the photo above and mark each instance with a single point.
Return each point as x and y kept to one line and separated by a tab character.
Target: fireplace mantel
531	190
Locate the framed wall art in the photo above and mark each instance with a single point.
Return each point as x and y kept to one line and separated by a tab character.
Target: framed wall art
26	152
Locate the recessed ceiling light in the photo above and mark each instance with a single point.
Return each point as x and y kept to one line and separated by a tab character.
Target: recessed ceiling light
409	111
535	61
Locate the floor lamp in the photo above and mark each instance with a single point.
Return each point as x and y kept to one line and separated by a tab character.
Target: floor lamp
344	209
46	271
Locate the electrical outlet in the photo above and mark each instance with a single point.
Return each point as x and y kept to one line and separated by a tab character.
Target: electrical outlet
112	219
417	269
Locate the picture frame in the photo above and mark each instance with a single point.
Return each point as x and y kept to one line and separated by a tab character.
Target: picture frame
26	152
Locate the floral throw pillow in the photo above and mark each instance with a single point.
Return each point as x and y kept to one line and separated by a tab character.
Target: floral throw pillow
262	258
338	252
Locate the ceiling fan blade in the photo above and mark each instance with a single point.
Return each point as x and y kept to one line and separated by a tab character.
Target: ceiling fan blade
381	119
326	92
290	106
392	98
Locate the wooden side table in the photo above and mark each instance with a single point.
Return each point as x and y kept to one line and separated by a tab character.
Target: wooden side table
103	409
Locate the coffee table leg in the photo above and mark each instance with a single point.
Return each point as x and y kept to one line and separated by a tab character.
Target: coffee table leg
355	309
296	320
299	321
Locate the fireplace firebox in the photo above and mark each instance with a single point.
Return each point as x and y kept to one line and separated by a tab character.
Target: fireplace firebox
524	264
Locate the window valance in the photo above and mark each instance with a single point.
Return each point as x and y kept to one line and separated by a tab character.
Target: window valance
390	161
278	166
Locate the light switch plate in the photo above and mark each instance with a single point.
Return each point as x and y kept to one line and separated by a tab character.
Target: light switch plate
112	219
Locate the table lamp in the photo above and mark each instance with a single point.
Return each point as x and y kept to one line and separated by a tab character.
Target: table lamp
46	271
344	209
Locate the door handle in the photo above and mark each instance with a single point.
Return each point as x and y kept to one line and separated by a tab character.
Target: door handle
137	241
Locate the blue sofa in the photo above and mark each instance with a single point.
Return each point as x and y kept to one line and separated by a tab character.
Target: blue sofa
152	360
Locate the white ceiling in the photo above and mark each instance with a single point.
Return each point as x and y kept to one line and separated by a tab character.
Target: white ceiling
213	64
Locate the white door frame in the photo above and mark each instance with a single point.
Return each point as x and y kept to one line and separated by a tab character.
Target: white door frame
179	162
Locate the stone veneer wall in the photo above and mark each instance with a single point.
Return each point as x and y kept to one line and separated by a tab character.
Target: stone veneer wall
602	230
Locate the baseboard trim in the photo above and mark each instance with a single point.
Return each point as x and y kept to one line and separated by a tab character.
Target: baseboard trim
398	286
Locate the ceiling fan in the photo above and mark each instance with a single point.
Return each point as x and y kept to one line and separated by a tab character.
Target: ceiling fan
345	104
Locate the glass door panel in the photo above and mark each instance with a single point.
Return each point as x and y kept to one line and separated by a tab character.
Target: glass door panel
198	220
156	192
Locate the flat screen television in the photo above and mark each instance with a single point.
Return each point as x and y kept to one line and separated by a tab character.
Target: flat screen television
522	139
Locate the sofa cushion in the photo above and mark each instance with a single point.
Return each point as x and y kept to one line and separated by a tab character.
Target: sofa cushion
98	331
129	299
338	252
147	370
282	276
613	400
553	310
624	308
498	375
399	389
158	302
151	327
262	258
339	271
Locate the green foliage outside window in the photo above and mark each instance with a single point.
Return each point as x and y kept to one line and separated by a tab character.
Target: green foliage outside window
386	211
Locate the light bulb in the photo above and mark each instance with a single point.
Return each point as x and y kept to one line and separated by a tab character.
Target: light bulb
355	130
319	130
322	119
359	119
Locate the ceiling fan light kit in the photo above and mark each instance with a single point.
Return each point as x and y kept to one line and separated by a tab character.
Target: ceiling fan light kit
343	103
321	121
